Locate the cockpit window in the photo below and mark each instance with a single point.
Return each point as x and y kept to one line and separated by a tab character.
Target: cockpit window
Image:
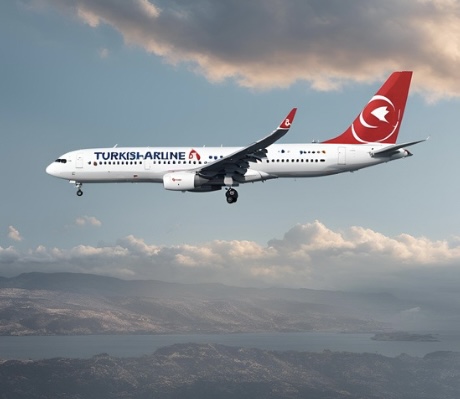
60	160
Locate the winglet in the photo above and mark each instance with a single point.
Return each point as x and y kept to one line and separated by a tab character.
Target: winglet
286	124
249	153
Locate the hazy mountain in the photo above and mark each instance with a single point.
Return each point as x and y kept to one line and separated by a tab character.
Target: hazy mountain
67	303
215	371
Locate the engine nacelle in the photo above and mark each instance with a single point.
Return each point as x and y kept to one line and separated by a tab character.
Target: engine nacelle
182	181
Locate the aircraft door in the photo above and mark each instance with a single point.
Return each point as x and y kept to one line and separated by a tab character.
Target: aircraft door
342	156
79	161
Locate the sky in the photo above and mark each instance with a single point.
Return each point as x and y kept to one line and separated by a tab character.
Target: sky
98	73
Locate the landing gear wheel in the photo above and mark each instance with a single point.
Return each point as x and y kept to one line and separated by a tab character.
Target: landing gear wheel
79	190
232	195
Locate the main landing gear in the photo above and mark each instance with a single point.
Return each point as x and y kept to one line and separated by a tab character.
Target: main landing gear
232	195
79	190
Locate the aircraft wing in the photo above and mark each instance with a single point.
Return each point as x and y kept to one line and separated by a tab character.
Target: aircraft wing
237	163
392	149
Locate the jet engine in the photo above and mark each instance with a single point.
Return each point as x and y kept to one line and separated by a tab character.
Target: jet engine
182	181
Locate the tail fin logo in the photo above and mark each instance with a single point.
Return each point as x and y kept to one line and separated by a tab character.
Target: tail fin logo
378	121
381	118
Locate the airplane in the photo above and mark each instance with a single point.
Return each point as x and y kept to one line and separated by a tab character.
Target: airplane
370	140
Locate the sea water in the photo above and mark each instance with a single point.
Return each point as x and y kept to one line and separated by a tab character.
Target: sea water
43	347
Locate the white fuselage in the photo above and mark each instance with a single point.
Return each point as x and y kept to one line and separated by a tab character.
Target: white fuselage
368	141
150	164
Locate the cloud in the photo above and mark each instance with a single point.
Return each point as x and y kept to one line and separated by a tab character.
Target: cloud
8	255
265	44
88	220
308	255
103	53
14	234
417	309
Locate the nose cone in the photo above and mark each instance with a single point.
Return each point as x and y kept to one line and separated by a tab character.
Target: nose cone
51	169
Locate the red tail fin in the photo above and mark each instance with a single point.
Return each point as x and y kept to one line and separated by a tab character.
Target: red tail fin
381	118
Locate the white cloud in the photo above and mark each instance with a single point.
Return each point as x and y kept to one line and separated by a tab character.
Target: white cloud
8	255
417	309
309	255
14	234
88	17
103	53
88	220
268	43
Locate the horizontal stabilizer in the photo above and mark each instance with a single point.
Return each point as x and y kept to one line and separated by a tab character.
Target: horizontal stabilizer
392	149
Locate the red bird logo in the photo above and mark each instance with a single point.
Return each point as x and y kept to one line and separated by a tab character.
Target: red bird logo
193	154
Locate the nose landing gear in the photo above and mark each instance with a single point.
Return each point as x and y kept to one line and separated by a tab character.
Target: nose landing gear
79	190
232	195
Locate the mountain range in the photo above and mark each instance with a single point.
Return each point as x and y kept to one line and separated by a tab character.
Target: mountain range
75	304
190	371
